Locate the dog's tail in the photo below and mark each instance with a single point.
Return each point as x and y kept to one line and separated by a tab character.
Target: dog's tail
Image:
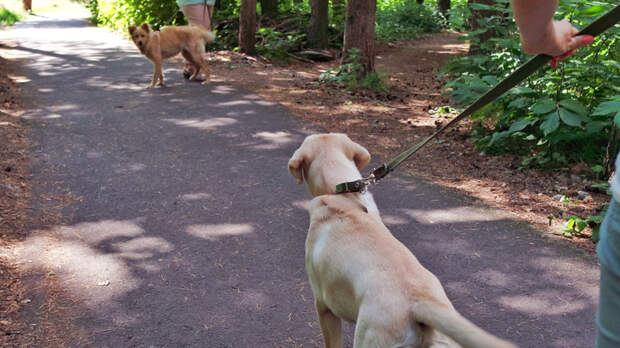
207	35
448	321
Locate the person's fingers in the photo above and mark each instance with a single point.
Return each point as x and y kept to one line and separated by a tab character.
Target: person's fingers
554	62
581	40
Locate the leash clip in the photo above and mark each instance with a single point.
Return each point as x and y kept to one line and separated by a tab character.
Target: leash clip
361	185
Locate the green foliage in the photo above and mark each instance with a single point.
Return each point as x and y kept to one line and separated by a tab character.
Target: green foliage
556	116
7	17
347	75
118	14
406	19
276	45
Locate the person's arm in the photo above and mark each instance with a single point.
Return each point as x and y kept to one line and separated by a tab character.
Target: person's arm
541	34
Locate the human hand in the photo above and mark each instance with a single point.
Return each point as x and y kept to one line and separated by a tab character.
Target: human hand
559	41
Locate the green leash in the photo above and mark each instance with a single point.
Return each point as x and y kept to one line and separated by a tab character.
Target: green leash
595	28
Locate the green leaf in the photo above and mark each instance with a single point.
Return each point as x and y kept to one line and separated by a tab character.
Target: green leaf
519	103
595	10
477	6
617	119
595	126
520	125
551	123
522	90
581	224
543	106
607	108
574	106
569	117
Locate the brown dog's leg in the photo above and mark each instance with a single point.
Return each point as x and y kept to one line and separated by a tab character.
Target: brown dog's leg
331	326
190	59
156	70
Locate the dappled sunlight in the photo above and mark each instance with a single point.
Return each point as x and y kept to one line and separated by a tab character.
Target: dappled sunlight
206	124
553	265
455	215
274	140
544	302
234	103
223	89
129	168
142	247
265	103
105	83
304	205
394	220
91	260
213	232
196	196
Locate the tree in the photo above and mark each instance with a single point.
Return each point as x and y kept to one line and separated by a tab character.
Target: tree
444	6
247	26
477	16
269	8
319	21
359	33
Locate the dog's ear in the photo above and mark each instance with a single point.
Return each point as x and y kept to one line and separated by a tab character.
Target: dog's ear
146	27
131	29
361	156
295	165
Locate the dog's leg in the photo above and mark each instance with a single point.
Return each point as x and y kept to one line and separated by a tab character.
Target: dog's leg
156	70
206	69
190	59
331	326
198	52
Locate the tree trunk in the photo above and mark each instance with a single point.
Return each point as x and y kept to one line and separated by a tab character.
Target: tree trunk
319	21
247	26
269	8
476	17
444	6
359	33
611	152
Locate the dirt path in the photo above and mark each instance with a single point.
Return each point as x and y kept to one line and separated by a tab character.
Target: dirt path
180	226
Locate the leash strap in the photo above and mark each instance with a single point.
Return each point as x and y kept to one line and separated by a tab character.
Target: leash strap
595	28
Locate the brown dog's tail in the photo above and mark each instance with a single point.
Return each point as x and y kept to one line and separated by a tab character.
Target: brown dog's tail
207	35
448	321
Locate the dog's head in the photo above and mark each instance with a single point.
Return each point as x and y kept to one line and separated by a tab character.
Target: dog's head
140	35
325	160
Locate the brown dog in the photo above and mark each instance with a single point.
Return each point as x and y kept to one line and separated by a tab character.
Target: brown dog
188	40
359	272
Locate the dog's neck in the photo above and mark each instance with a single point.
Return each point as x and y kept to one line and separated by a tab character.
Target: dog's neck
365	200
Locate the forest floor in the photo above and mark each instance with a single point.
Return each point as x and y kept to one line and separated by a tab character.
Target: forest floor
385	123
390	122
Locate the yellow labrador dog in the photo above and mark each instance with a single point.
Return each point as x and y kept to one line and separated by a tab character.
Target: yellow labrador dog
359	272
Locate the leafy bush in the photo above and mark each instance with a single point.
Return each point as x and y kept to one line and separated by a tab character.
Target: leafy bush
347	75
556	116
118	14
7	17
276	45
398	20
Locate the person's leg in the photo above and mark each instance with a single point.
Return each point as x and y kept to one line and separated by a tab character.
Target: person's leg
608	249
608	316
198	15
